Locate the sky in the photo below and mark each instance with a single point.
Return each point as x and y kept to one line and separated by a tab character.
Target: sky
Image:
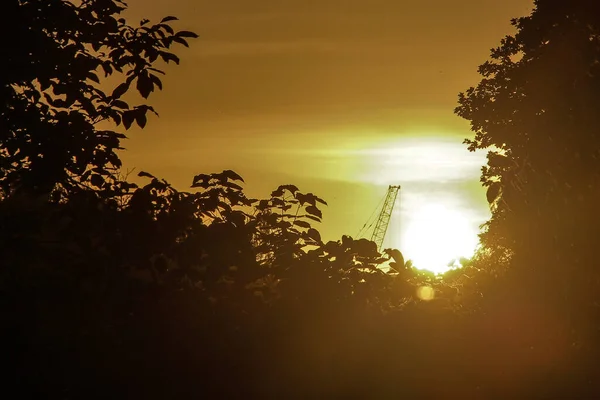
339	97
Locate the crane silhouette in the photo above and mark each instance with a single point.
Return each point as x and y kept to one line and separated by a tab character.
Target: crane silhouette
383	218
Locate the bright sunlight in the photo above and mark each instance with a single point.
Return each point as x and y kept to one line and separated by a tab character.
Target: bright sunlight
437	235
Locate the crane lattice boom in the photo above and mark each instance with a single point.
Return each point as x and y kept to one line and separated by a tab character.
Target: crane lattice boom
384	216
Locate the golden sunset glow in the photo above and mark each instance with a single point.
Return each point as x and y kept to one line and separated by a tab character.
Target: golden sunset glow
339	112
438	235
434	221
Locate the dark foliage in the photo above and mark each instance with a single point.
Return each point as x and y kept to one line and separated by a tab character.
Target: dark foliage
110	289
536	109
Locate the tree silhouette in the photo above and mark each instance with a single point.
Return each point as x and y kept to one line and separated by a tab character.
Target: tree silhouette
536	110
54	91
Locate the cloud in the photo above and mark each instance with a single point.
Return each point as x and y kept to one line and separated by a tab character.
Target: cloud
415	160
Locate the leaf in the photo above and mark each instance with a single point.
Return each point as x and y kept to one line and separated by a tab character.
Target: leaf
310	199
277	202
116	116
300	197
201	180
92	76
284	225
493	192
128	118
232	175
497	160
168	18
156	81
225	206
314	211
347	241
396	255
302	224
144	85
167	28
151	109
168	57
107	68
233	186
290	188
262	205
314	234
181	41
321	201
140	118
120	90
187	34
277	192
312	217
120	104
364	248
143	174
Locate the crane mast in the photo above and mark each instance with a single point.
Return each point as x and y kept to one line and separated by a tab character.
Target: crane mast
384	216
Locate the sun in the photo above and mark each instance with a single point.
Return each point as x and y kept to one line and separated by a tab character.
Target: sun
437	234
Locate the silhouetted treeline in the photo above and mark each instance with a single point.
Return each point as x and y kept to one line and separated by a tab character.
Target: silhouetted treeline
111	289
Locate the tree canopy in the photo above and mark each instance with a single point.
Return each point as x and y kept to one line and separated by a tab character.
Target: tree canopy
536	110
51	139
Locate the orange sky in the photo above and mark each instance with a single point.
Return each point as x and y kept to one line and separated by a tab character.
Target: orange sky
338	97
